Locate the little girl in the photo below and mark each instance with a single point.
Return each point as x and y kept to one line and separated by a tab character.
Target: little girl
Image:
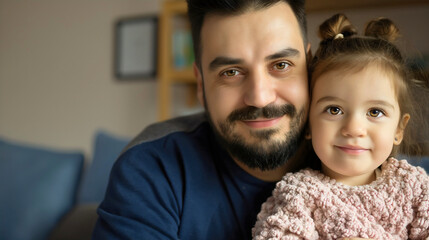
360	106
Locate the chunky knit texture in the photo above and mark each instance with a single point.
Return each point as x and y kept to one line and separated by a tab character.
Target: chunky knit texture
310	205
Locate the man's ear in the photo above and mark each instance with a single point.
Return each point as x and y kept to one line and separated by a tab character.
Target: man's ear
200	89
399	135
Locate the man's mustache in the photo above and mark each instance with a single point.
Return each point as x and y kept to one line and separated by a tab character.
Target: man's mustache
270	111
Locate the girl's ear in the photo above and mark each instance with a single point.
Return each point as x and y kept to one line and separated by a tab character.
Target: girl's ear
399	135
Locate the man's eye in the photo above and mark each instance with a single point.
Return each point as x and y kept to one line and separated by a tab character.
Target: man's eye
334	110
230	73
375	113
281	65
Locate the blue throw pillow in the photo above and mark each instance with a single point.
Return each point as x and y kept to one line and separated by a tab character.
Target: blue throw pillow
107	148
37	187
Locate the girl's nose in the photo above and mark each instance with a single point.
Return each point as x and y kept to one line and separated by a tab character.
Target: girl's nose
354	126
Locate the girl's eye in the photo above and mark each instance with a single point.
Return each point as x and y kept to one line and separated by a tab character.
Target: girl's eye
230	73
281	65
375	113
334	110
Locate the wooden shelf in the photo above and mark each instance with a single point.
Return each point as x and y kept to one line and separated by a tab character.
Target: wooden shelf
167	74
182	76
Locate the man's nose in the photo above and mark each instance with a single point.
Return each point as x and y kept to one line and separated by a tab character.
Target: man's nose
354	126
260	90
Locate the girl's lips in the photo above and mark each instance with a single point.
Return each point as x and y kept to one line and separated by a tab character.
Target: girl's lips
262	123
352	149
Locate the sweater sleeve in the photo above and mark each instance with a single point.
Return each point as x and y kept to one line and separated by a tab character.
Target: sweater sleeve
286	215
420	224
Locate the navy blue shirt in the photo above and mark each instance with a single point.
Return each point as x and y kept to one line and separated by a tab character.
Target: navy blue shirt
182	185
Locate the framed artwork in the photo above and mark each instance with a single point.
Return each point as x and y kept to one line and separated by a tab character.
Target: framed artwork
136	48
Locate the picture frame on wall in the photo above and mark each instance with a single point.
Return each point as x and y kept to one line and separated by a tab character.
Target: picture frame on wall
136	47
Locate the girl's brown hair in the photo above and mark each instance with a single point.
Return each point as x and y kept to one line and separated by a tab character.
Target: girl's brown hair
341	49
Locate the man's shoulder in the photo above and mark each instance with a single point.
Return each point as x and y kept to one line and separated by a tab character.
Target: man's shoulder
159	130
166	148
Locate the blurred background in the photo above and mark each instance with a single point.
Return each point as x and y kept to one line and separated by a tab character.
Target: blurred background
57	83
70	101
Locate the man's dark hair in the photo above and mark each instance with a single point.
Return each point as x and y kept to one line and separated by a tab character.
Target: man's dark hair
198	9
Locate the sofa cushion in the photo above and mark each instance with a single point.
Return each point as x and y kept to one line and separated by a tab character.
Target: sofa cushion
107	148
37	187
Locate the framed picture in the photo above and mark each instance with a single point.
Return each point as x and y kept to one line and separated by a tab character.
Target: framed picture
136	48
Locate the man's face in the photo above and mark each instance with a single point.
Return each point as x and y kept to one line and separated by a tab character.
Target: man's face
255	83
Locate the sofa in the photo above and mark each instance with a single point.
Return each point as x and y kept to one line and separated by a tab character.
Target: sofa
49	193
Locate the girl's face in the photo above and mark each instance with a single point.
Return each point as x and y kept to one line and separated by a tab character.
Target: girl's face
354	119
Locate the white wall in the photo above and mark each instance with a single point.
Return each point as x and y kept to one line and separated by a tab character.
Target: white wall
56	81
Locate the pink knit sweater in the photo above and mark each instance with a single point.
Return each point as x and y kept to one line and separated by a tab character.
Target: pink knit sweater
310	205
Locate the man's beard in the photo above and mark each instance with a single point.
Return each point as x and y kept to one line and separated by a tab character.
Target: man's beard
265	153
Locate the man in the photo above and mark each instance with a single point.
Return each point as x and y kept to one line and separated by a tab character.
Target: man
206	176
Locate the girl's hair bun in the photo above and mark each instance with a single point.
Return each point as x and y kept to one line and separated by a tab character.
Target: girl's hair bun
382	28
335	25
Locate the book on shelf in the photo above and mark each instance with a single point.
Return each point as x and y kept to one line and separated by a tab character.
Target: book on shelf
183	55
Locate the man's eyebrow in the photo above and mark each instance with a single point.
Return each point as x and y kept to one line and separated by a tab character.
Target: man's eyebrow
287	52
223	61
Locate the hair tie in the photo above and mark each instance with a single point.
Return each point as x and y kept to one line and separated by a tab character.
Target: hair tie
339	35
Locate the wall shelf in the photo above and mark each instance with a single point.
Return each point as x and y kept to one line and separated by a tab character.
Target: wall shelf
167	73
